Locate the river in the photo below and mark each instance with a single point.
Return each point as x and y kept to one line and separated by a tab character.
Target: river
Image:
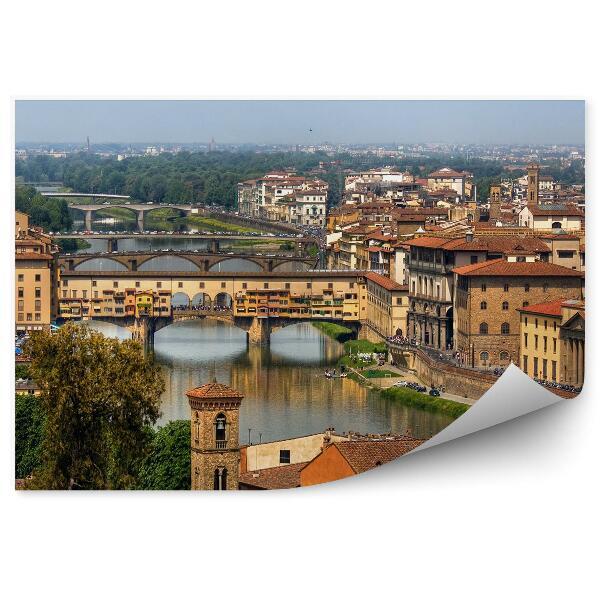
285	391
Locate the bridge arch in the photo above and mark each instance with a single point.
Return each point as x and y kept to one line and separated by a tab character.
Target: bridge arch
223	299
236	264
180	300
100	264
201	299
168	263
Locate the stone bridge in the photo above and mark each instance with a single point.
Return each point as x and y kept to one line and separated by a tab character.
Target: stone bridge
258	328
139	209
194	261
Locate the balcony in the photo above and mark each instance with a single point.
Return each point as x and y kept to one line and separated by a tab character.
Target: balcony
221	444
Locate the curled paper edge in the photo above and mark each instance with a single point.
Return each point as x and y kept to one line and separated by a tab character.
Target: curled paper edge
513	395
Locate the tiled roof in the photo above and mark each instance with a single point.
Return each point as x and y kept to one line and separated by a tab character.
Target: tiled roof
555	209
213	390
551	308
32	256
493	243
274	478
385	282
500	267
365	455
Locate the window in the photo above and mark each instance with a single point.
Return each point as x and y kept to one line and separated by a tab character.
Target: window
220	429
505	329
284	457
554	345
535	342
244	286
330	286
506	287
535	366
524	340
504	355
201	285
38	305
38	292
20	277
180	284
484	357
38	317
115	284
525	303
158	284
525	364
266	286
545	368
21	304
94	283
545	324
137	284
505	306
20	292
545	344
483	305
483	287
20	317
483	328
545	287
553	370
38	277
565	253
287	286
473	260
526	287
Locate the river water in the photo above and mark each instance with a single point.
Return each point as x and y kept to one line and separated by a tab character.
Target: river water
285	391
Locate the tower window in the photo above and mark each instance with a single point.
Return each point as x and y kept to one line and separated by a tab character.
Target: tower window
220	431
284	457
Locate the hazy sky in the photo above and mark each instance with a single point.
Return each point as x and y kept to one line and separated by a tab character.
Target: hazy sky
280	121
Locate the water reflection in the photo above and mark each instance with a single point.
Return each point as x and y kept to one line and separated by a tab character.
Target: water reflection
286	392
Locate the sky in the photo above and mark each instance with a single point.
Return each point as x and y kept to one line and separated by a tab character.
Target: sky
302	122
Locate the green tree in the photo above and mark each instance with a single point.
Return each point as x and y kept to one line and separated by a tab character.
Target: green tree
101	396
168	463
29	433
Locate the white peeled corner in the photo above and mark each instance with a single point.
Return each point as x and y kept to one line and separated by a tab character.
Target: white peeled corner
513	395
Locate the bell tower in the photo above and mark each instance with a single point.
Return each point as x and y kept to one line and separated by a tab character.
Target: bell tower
495	203
533	184
215	445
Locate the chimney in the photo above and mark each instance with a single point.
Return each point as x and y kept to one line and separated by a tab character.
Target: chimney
469	235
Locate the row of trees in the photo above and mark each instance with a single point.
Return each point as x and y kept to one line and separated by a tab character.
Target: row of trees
50	213
92	425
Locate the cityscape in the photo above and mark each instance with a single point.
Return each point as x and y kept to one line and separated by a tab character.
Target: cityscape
259	316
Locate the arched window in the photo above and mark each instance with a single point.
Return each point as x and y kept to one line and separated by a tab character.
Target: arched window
483	328
556	225
505	329
484	356
504	355
216	480
224	479
220	431
525	303
483	305
505	306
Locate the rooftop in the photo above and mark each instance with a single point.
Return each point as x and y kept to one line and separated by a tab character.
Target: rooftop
386	282
502	268
213	390
274	478
367	454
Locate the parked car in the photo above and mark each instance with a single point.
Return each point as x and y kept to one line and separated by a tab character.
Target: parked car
434	392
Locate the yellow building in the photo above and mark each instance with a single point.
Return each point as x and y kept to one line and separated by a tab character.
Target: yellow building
553	341
36	276
387	305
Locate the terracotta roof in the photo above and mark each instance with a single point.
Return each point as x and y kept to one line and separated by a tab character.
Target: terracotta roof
386	282
554	209
493	243
274	478
32	256
213	390
500	267
367	454
551	308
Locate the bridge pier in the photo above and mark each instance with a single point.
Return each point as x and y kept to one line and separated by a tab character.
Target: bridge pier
113	245
140	220
88	214
142	331
259	332
213	245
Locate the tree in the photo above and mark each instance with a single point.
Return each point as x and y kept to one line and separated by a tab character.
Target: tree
100	397
168	463
29	433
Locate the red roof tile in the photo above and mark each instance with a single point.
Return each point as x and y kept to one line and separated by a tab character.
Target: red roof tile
386	282
274	478
502	268
213	390
551	308
365	455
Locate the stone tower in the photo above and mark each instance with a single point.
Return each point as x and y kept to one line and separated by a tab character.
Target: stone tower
215	412
533	184
495	203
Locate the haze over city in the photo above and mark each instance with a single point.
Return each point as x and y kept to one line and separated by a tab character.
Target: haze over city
302	122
